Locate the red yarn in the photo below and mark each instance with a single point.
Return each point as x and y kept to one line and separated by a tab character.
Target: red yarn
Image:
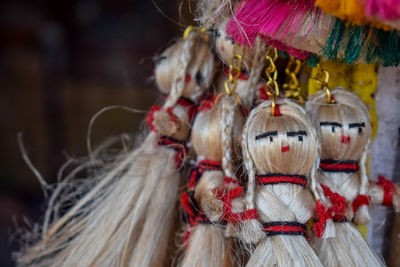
360	201
277	110
150	117
262	94
388	190
230	180
177	145
323	215
227	197
202	166
188	103
336	212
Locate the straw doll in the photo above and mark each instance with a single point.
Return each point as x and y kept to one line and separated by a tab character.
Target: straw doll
279	151
345	132
214	184
205	241
126	217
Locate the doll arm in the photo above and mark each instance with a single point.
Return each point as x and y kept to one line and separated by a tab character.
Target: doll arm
385	193
173	122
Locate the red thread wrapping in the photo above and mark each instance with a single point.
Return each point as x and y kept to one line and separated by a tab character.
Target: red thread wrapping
179	147
264	180
193	215
389	189
284	228
360	200
338	166
188	103
202	166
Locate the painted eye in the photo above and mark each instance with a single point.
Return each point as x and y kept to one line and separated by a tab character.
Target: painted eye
300	138
271	139
360	131
199	78
218	34
230	39
158	60
333	129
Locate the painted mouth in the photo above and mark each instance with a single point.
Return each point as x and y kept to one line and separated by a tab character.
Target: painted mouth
285	148
345	139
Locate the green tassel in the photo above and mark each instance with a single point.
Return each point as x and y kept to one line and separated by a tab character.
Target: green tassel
391	47
334	41
283	54
354	44
312	60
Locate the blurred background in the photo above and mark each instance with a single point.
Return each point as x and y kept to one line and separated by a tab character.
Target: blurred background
61	62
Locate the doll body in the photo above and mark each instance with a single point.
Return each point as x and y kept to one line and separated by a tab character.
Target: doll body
206	242
345	131
279	154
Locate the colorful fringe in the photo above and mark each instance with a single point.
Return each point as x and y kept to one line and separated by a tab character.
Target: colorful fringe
384	9
353	44
274	20
353	11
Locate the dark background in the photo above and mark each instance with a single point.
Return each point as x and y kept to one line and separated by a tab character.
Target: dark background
61	62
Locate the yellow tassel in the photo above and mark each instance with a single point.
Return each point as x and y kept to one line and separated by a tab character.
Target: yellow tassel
364	80
351	11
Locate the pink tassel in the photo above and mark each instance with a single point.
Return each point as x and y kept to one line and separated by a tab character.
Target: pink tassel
384	9
276	20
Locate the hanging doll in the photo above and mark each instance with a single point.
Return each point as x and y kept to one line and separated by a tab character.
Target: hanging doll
215	183
126	217
205	241
280	151
345	132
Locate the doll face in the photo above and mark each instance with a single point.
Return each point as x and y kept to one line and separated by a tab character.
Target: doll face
344	132
224	48
223	44
199	71
281	145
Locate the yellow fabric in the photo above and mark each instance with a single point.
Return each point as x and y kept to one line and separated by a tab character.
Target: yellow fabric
362	79
349	10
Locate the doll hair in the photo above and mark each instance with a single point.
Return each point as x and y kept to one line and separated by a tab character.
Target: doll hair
212	12
115	208
348	111
287	204
340	178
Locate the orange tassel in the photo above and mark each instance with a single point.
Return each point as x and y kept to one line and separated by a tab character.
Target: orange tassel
349	10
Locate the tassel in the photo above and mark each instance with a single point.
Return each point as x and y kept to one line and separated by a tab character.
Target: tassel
334	41
384	9
351	11
275	20
362	44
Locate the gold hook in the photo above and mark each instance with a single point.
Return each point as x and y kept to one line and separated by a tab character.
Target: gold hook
235	68
272	75
190	29
322	78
